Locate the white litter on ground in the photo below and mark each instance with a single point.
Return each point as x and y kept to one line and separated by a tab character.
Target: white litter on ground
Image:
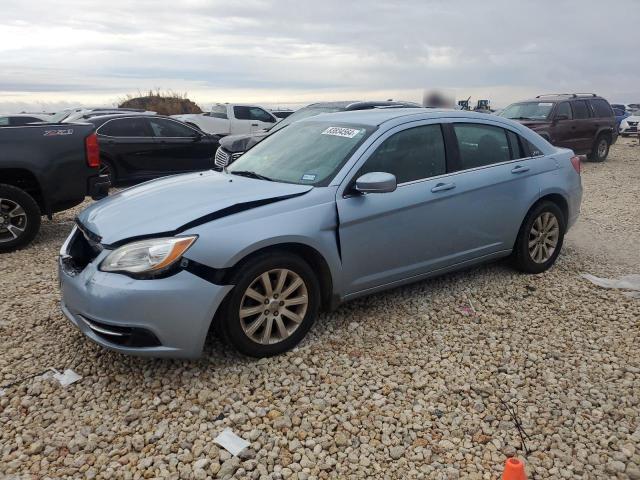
1	392
231	442
627	282
67	377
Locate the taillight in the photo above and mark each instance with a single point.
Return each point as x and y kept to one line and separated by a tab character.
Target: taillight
93	150
575	161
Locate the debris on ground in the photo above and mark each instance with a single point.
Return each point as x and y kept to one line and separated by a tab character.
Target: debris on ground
231	442
626	282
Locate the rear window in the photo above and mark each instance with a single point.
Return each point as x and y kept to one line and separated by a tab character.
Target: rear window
481	145
580	110
218	111
126	127
601	108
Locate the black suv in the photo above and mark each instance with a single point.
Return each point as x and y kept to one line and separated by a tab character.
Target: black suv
585	123
232	146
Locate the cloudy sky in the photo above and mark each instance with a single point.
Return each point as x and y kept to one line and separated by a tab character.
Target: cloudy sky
69	52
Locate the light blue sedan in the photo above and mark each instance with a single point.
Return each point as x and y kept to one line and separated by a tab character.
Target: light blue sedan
329	209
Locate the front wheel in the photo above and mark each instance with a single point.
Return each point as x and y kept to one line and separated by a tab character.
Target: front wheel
19	218
540	238
600	149
275	301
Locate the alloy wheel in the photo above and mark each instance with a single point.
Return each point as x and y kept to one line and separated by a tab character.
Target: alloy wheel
13	220
273	306
543	237
602	148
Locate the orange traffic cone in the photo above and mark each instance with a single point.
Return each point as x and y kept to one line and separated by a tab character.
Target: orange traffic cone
514	470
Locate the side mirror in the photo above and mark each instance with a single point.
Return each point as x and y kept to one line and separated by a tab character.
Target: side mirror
558	118
376	182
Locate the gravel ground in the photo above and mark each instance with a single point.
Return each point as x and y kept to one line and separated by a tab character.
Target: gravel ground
406	384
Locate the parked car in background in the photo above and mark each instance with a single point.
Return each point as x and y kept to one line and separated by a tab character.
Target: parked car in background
620	115
96	112
136	148
233	146
230	119
584	123
44	168
329	209
629	125
281	113
18	119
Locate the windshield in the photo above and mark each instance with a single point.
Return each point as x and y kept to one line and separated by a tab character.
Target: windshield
528	111
307	153
305	112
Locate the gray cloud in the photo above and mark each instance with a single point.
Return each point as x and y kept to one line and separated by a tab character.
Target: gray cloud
90	51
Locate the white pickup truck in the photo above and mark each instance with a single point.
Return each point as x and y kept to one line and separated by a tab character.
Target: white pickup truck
230	119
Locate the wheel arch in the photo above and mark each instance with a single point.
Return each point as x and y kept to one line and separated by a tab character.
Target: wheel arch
25	180
553	197
309	254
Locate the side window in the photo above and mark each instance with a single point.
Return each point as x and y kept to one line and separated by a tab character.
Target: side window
126	127
241	113
580	110
168	128
4	121
601	108
412	154
481	145
530	149
564	109
218	111
516	145
260	115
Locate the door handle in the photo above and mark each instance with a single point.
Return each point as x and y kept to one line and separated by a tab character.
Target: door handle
254	124
441	187
520	169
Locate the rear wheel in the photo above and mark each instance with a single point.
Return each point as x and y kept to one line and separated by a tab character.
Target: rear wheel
600	149
540	238
107	169
19	218
273	305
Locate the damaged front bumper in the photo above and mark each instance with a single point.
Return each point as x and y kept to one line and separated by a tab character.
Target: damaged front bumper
164	317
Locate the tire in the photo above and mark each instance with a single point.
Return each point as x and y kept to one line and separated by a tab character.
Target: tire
18	229
600	149
525	257
236	330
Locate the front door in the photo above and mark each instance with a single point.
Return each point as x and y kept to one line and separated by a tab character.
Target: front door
180	148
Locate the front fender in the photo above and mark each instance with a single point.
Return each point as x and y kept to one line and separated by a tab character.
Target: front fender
309	220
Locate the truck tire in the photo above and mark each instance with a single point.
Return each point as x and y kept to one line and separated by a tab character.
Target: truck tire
19	218
600	149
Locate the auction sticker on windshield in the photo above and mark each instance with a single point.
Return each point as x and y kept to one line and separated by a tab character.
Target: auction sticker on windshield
342	132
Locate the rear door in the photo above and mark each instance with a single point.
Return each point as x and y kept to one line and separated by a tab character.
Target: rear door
585	131
129	145
180	148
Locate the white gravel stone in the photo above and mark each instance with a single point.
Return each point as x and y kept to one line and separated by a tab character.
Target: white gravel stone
402	384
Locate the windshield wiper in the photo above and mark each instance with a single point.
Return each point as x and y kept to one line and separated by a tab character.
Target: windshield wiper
522	118
250	174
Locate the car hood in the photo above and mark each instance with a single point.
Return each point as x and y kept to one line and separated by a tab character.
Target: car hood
173	204
241	143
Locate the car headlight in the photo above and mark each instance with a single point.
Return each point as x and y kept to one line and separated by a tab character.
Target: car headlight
147	257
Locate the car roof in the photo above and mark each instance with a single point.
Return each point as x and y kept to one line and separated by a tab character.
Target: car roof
560	97
100	119
377	116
